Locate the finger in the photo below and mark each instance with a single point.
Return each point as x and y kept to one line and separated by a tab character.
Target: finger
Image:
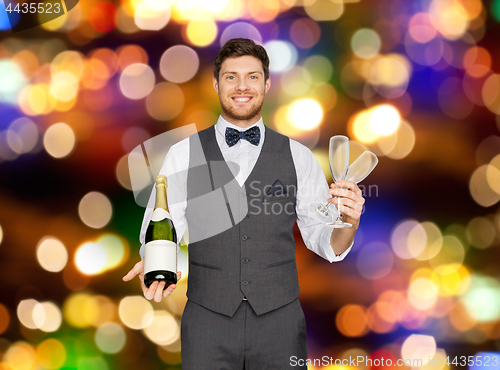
356	199
159	292
143	286
351	212
349	203
169	290
179	274
137	269
355	188
353	218
347	194
130	275
150	292
342	192
347	184
351	186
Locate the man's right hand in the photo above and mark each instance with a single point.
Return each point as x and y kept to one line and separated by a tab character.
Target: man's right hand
155	290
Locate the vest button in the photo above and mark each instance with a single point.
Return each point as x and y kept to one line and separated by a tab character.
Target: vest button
244	282
244	237
245	260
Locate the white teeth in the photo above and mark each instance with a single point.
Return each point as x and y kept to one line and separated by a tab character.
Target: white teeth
241	99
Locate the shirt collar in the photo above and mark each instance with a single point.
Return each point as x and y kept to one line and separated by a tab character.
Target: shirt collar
221	125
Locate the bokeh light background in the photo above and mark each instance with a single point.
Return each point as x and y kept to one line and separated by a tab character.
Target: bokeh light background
415	81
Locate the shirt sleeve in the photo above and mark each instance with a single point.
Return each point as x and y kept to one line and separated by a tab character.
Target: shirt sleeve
312	187
175	167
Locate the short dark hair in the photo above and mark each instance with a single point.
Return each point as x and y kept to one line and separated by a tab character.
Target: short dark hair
238	48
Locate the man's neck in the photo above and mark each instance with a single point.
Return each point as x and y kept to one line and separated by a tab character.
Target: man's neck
242	123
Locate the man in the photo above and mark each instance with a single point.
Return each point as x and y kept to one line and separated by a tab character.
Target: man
243	310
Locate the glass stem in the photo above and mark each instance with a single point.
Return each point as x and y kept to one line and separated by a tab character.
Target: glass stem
339	217
325	207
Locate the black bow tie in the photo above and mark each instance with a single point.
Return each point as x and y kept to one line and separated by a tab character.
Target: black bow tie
252	135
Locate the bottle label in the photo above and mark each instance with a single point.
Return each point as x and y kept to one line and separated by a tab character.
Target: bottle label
160	214
160	255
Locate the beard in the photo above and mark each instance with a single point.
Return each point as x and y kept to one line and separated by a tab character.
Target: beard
242	114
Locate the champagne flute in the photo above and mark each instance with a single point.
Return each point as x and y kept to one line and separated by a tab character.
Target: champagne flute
339	164
361	167
357	172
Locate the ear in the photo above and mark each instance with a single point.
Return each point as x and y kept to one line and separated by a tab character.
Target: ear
268	84
216	85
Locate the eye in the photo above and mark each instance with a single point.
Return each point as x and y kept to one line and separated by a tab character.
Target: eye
230	77
253	77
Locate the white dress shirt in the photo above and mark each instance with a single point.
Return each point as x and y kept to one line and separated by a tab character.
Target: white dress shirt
311	186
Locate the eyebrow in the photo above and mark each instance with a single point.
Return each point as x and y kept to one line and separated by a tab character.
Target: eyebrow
235	73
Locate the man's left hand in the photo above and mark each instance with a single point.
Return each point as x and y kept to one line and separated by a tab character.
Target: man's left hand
350	199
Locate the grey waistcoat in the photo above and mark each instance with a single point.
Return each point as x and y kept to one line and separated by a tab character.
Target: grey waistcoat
253	258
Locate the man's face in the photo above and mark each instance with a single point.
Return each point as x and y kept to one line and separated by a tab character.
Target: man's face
241	89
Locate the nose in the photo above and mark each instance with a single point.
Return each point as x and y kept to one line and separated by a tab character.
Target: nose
242	85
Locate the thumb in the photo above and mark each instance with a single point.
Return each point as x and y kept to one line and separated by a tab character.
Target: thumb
139	266
131	274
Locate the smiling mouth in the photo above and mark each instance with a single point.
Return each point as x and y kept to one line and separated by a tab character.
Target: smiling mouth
242	99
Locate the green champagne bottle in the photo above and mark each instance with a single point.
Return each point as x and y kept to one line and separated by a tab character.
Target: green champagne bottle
160	254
